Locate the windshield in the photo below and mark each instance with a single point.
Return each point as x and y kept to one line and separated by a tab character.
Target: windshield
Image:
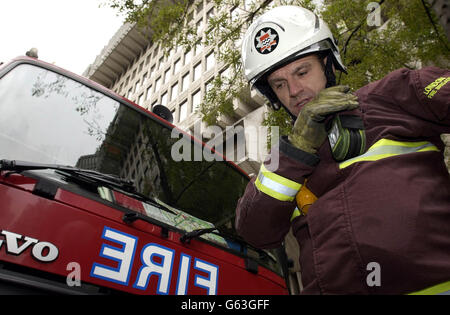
49	118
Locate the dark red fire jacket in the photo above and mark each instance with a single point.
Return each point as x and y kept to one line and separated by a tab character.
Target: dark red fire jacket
386	211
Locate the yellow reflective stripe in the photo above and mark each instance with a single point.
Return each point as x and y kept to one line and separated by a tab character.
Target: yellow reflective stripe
276	186
385	142
295	214
385	148
442	288
279	179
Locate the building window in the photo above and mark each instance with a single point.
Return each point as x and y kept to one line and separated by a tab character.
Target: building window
174	91
209	85
171	53
187	57
200	7
183	111
152	71
225	74
137	86
164	99
144	79
185	82
149	92
210	14
210	61
196	100
167	75
176	66
197	71
141	100
157	85
198	47
199	25
189	17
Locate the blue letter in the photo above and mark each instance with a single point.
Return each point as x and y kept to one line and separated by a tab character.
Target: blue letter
123	256
163	270
209	283
183	274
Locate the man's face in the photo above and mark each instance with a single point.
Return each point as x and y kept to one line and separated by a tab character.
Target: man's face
298	82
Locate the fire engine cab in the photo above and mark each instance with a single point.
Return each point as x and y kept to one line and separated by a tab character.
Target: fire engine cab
93	202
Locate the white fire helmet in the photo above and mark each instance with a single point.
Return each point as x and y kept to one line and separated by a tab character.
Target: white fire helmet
280	36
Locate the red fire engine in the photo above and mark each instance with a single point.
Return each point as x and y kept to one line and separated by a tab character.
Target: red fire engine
93	202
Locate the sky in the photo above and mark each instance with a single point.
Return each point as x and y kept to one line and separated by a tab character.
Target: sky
68	33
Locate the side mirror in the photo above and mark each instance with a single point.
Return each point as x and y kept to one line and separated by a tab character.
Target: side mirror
33	53
163	112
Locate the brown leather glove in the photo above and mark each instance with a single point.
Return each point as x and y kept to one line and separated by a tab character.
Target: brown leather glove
309	132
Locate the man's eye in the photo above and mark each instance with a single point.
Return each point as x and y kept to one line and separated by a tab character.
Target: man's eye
279	86
301	74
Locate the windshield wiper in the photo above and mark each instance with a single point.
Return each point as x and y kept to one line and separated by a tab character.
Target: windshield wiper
89	176
186	238
93	176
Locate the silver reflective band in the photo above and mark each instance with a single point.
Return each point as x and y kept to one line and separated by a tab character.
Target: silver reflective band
279	188
276	186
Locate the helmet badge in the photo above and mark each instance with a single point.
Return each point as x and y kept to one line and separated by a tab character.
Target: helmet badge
266	40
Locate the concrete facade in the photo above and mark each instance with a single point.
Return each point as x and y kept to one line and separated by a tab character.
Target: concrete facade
136	68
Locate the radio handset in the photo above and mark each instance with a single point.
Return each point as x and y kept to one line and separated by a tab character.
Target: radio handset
347	137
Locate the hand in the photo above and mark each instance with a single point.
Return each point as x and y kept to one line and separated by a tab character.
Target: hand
309	132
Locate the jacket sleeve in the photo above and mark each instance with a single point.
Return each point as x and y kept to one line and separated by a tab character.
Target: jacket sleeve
423	93
263	213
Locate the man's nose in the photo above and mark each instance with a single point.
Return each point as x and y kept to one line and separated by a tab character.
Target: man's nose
295	88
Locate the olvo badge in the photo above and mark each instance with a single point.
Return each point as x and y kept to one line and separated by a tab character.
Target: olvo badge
266	40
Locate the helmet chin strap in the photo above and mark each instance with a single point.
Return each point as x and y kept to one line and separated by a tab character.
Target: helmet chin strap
329	73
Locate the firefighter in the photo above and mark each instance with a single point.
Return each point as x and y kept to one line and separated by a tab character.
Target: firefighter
361	178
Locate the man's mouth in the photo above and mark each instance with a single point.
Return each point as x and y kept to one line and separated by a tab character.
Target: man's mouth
303	102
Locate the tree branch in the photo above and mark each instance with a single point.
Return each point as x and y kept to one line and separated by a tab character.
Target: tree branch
347	42
427	10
